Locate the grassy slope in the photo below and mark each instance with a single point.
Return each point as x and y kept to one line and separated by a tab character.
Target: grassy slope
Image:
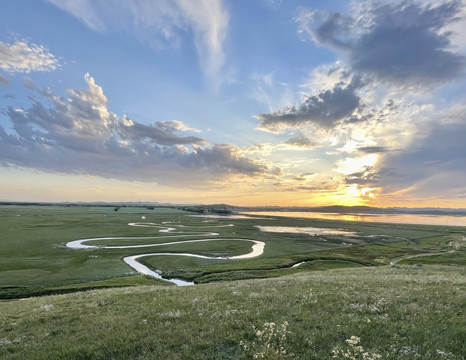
399	313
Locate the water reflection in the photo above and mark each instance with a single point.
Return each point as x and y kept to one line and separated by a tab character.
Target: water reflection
444	220
305	230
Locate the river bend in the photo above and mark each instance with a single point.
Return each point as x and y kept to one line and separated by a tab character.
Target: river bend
132	260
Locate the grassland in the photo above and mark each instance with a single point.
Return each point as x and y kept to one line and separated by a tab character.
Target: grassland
398	290
36	261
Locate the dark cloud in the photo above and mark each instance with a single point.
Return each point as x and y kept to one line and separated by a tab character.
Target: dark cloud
159	132
301	141
399	43
441	151
223	158
302	177
275	171
79	135
373	149
367	115
310	188
4	81
324	109
368	177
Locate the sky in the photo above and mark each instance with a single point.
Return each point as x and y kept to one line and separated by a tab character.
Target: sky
264	102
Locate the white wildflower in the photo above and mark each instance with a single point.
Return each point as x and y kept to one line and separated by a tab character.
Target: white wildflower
355	351
270	342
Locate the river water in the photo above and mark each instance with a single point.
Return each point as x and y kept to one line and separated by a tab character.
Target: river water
257	248
444	220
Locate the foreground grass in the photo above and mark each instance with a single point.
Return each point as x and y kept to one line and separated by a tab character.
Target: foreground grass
398	313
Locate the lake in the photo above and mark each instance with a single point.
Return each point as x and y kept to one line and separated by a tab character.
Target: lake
444	220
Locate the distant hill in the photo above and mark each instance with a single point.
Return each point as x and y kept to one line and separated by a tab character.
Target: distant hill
225	208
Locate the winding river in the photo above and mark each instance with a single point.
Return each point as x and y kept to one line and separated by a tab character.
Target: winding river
132	261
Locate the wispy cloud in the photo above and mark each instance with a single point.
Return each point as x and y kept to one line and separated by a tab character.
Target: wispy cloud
4	81
265	89
84	10
162	21
29	83
22	57
209	21
80	135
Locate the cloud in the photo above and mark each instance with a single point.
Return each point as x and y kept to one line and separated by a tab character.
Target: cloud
162	133
302	177
209	22
162	21
367	177
401	43
178	125
388	46
301	141
373	149
431	164
21	57
29	83
273	4
439	149
326	77
84	10
4	81
324	109
80	135
266	90
383	139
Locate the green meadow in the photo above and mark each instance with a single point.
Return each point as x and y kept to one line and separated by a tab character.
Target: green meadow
384	291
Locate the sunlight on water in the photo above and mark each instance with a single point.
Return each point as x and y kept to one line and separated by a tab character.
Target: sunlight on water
305	230
384	218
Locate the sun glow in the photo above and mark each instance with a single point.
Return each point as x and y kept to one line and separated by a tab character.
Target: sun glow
351	165
351	195
367	191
